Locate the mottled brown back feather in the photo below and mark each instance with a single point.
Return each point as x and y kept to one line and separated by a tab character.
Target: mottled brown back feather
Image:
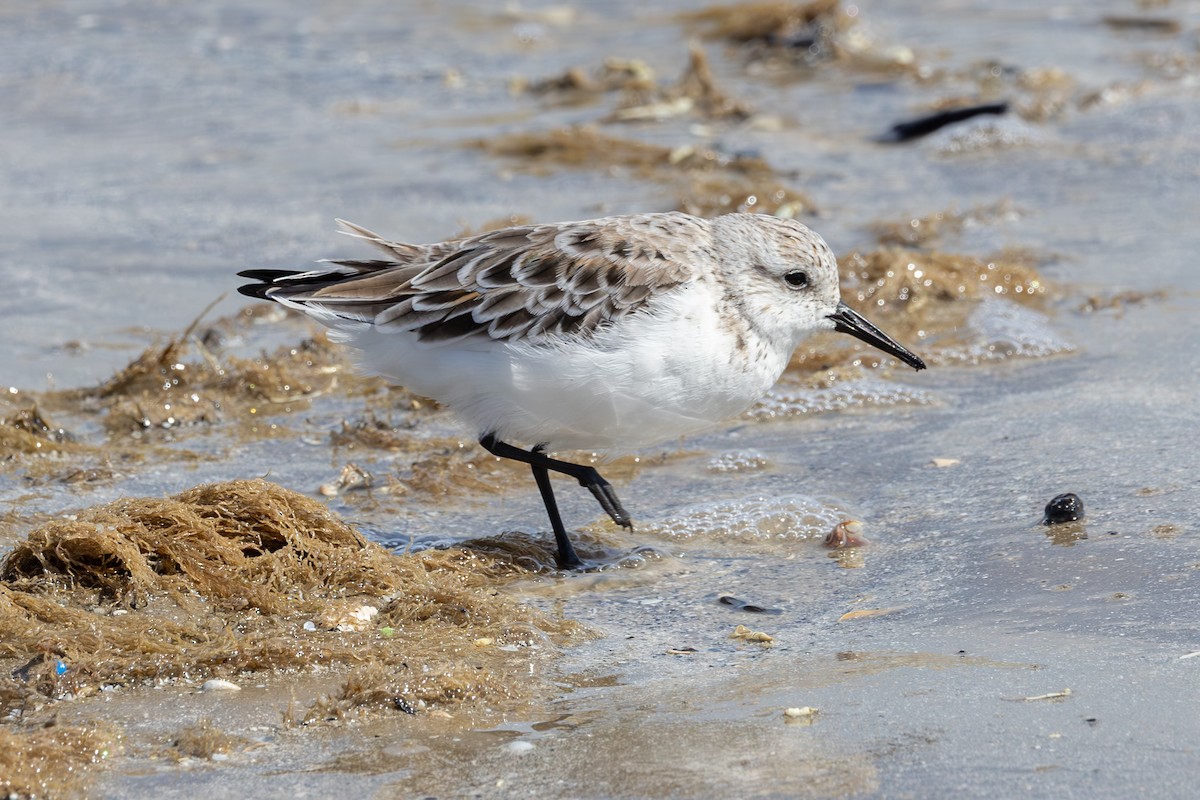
521	283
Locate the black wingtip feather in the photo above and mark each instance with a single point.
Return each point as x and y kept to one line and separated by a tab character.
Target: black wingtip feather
256	290
267	275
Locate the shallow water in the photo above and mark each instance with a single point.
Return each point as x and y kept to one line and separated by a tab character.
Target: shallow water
153	151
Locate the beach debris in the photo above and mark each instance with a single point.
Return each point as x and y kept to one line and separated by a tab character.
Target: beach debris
1063	508
696	90
615	74
1120	300
847	533
744	633
771	22
942	463
205	740
346	616
742	605
54	759
243	577
706	181
352	477
1162	25
1065	693
923	126
691	651
219	685
867	613
800	714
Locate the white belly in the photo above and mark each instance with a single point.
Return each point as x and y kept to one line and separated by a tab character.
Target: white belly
647	379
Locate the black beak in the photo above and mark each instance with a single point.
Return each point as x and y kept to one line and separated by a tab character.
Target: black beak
847	320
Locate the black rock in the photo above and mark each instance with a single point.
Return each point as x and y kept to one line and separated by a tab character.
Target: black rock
1063	508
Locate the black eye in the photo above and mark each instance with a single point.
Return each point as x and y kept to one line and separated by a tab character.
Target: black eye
797	279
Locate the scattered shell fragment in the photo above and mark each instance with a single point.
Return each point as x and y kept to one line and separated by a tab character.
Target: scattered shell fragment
691	651
802	712
346	616
865	613
352	477
656	112
742	632
1048	696
220	685
942	463
847	533
485	641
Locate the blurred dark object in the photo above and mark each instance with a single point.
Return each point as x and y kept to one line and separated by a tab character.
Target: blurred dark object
923	126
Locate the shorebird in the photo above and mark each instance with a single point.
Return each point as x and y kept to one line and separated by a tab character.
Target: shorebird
606	335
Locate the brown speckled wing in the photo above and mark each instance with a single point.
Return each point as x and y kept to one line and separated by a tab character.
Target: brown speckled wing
524	283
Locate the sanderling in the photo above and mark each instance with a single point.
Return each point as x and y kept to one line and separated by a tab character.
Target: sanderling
605	335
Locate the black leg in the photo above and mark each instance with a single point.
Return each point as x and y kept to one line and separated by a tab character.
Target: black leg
567	559
587	476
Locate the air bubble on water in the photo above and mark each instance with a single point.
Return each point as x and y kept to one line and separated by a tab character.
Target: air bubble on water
793	401
1003	329
754	518
737	461
986	133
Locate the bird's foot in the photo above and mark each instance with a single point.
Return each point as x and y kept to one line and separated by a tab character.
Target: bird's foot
607	497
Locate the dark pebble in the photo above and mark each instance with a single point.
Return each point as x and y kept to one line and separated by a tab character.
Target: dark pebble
1063	508
923	126
742	605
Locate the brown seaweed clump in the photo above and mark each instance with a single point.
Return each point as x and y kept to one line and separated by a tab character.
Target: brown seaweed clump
51	761
164	389
613	75
695	92
206	740
780	36
191	381
707	182
910	278
932	228
769	22
244	576
28	430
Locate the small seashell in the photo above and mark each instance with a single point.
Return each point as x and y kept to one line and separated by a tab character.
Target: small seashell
799	713
220	685
847	533
346	616
742	632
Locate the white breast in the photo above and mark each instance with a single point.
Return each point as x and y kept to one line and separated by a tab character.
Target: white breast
662	373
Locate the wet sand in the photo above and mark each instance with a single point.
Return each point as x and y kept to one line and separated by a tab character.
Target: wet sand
156	151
